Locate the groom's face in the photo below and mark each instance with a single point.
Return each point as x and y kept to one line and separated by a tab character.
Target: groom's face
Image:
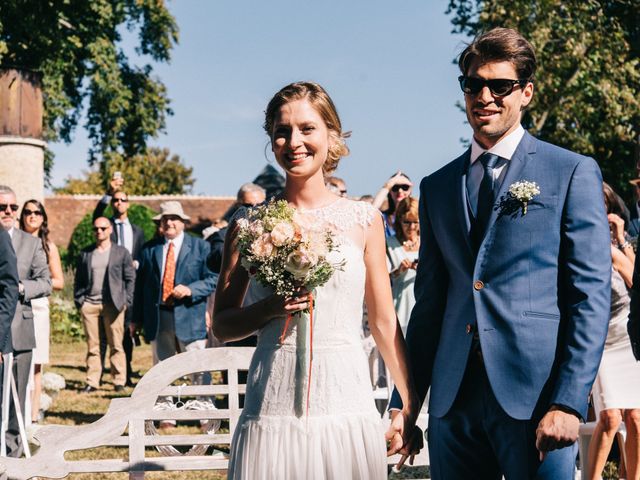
493	117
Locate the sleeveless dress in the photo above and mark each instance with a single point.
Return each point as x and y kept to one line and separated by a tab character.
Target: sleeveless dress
339	435
402	286
617	385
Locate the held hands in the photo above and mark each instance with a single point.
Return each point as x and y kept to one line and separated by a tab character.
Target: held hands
404	437
557	429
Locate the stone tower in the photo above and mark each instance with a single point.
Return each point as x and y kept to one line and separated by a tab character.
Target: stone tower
21	144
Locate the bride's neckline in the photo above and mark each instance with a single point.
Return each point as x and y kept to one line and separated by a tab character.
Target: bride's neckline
321	207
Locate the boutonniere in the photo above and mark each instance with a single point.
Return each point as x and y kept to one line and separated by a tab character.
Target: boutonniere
518	197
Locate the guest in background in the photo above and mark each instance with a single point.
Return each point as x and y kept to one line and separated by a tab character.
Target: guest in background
616	390
249	195
402	252
336	185
34	282
129	236
33	220
396	189
103	290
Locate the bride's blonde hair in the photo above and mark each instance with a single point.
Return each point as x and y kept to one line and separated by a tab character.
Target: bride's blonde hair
319	98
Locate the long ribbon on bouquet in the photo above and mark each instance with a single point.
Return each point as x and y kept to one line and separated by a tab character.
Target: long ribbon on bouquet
284	333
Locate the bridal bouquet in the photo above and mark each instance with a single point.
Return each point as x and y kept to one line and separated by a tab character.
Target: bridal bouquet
284	250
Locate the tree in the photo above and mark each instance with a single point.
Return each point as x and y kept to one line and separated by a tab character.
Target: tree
587	87
76	45
156	172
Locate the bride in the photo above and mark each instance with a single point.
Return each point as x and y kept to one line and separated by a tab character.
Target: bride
333	430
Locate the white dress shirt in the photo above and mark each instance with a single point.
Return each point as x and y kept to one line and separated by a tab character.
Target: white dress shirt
505	149
128	233
177	245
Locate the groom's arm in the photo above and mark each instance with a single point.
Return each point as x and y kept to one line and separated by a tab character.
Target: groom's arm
585	283
423	331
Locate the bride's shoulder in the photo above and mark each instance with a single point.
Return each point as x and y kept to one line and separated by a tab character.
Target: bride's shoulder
363	213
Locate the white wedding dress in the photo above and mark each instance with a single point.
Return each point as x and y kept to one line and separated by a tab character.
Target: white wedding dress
341	435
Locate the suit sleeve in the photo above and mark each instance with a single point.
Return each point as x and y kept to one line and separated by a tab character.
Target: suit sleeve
214	259
8	287
129	277
585	287
138	298
101	206
39	282
633	326
423	331
202	288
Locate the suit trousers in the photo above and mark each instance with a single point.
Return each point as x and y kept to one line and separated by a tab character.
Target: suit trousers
477	439
21	368
92	315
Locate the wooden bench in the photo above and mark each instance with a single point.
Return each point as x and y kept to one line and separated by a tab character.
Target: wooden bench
127	424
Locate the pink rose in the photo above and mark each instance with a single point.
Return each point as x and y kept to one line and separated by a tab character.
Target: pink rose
282	234
262	246
300	262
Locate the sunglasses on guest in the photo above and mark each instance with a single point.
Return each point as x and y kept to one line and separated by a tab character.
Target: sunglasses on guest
26	212
410	222
397	188
101	229
122	200
4	206
499	87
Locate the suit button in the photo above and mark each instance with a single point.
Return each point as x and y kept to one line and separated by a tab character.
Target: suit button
468	328
478	285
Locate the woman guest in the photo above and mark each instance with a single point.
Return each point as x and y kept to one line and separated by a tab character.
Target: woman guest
397	188
339	433
616	390
33	220
402	251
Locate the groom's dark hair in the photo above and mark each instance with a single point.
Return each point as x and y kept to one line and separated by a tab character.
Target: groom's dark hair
500	45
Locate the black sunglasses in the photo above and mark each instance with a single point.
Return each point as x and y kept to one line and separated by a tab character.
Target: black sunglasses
26	212
123	200
397	188
102	229
12	206
500	87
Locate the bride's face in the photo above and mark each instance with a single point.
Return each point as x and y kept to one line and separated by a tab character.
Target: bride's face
300	139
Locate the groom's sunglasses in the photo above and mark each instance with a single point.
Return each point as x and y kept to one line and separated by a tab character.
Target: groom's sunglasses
499	87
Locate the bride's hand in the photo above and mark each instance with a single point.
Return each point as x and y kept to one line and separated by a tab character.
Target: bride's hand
275	305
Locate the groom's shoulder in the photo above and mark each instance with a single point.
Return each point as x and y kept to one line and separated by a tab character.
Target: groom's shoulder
555	153
446	172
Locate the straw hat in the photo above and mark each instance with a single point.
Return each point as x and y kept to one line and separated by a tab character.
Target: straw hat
171	208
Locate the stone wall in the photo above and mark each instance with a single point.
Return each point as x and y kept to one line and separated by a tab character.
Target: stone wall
66	211
21	166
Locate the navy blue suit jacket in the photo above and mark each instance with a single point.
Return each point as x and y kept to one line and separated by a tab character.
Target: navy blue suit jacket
537	292
191	271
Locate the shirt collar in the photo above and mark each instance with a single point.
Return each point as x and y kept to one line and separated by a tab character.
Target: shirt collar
177	242
505	148
10	231
124	222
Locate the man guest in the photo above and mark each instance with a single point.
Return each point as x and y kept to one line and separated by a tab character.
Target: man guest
172	287
513	284
34	282
103	290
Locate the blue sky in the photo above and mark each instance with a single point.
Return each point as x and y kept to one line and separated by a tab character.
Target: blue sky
388	67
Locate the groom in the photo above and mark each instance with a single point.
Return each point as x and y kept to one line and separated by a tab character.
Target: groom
512	290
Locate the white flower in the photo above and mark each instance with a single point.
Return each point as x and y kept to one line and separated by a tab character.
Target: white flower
524	192
52	382
255	228
243	224
262	246
282	234
45	402
300	262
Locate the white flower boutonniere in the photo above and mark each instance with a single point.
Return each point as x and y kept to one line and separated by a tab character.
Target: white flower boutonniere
523	192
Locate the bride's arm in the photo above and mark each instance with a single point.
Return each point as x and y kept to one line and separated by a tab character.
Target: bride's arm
383	319
231	321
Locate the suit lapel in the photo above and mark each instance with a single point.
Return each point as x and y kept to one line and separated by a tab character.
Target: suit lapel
516	165
158	257
460	201
184	251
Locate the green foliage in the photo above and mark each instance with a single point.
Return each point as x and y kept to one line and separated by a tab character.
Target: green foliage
76	44
155	172
83	236
587	88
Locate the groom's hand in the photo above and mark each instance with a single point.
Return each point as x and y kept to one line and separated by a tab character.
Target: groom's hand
557	429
